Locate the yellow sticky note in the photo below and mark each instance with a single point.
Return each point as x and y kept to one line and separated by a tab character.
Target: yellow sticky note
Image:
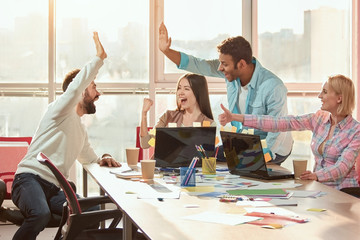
196	124
199	189
152	131
316	209
273	226
251	131
152	142
227	129
263	143
233	129
217	140
172	124
206	123
267	157
244	131
222	128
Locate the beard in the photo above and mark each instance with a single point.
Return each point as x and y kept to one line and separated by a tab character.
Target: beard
88	104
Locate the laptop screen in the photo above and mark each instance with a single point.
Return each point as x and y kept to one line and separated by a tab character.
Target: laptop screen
243	152
175	147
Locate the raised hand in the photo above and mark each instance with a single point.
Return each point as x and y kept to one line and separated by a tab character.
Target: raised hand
164	40
146	105
225	117
100	52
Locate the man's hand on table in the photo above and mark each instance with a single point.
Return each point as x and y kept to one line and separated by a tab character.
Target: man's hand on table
108	161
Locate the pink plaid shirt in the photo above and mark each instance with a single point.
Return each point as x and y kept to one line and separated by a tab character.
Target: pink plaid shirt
336	166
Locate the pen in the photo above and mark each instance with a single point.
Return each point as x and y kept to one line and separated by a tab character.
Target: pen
203	150
217	150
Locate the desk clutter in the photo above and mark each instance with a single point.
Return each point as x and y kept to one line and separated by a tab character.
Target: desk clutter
254	202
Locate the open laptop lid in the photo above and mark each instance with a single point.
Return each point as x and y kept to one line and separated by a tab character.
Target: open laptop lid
245	157
175	147
243	152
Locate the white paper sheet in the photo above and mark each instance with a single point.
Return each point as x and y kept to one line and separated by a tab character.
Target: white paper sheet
223	218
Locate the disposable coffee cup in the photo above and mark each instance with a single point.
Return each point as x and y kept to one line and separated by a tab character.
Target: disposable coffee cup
299	167
147	169
132	157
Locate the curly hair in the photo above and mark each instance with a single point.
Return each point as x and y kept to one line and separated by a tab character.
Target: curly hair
237	47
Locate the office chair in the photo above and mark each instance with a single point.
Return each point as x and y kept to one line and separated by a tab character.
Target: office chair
79	223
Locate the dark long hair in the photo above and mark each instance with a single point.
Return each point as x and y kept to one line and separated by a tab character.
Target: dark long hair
199	87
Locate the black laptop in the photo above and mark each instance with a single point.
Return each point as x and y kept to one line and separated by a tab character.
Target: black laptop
244	156
175	147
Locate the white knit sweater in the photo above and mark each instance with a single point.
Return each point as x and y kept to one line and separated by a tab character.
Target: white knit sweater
60	134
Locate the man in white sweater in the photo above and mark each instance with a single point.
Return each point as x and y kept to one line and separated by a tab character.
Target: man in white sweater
63	138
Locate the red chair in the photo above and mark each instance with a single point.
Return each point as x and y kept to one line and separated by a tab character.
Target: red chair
12	151
143	153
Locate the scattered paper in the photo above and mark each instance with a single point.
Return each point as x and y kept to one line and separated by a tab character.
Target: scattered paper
206	123
254	203
273	210
217	140
304	193
152	142
233	129
316	209
267	157
263	143
152	131
222	218
196	124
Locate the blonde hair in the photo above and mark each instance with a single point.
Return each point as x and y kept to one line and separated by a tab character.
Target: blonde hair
345	87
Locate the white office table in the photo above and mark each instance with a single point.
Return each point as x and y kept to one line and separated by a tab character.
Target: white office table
163	219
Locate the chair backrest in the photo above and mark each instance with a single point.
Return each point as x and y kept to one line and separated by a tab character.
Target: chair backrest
143	153
12	151
66	187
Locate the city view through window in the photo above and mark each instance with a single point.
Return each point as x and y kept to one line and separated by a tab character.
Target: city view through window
302	42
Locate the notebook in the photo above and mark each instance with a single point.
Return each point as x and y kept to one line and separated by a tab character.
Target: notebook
244	156
175	147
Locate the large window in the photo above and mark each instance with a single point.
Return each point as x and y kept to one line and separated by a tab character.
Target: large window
23	41
313	43
303	42
123	29
198	29
311	40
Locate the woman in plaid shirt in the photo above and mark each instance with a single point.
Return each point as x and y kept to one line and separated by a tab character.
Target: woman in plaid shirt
335	141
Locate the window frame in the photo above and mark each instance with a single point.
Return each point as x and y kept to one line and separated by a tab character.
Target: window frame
159	82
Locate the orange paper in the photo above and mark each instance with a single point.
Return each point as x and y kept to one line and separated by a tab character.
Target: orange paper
267	157
233	129
217	140
206	123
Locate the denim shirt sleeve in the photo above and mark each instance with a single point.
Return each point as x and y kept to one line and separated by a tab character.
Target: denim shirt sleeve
268	97
275	99
200	66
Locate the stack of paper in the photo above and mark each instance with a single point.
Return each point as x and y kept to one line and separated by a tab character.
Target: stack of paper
261	193
129	173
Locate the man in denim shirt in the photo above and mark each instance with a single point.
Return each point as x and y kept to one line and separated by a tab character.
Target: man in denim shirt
251	88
